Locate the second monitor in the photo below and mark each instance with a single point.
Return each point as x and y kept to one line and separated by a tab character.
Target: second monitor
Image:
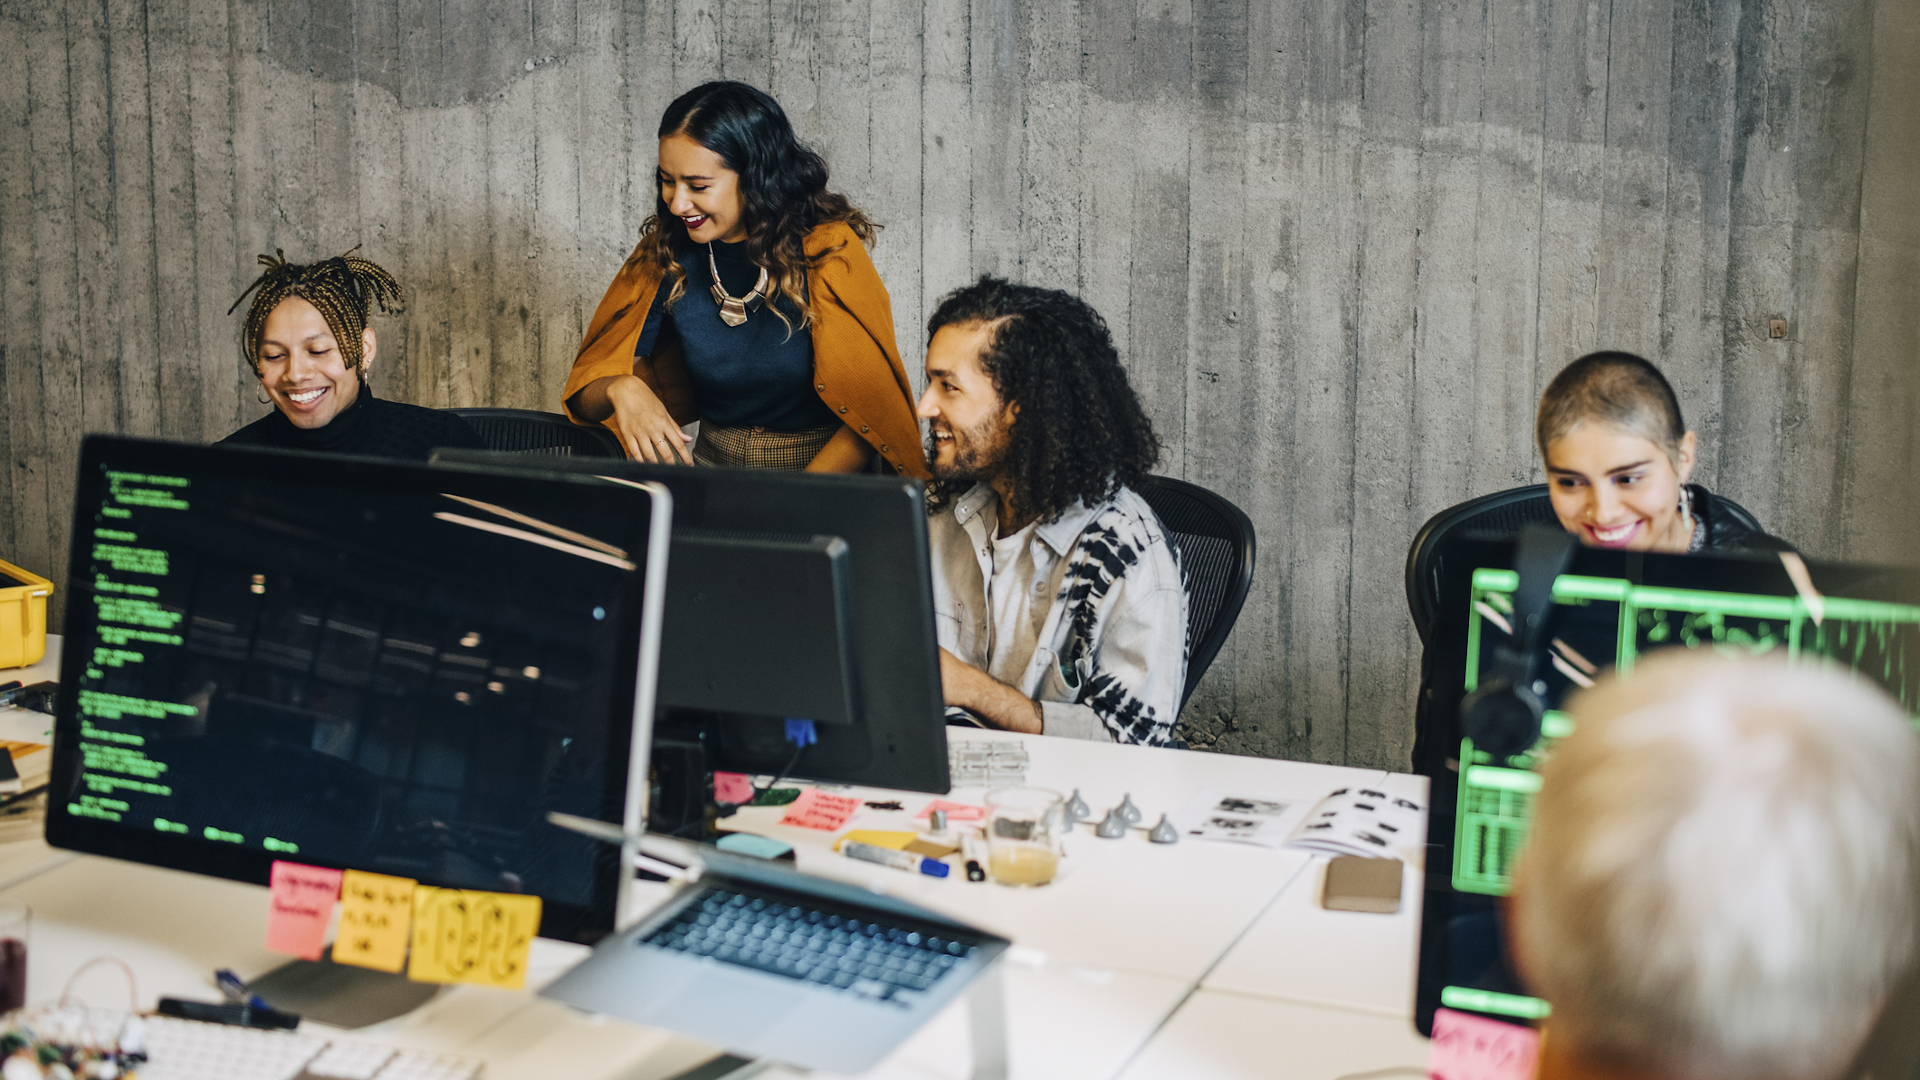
791	595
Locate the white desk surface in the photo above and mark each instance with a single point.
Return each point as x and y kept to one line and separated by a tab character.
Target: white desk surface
1222	1036
1298	951
1104	956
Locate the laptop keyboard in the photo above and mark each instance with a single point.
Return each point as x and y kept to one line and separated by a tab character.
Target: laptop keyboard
768	933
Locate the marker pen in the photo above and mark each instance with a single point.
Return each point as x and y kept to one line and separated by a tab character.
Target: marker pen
899	860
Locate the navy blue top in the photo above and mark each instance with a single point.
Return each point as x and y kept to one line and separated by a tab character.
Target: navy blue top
757	374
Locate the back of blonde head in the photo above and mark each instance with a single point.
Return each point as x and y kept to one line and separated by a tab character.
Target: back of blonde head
1721	877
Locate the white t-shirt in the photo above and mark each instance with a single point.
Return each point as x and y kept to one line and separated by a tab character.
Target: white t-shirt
1017	618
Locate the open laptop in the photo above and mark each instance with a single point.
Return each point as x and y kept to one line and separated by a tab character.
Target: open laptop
768	962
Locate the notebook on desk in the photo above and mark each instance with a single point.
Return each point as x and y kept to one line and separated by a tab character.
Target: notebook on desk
771	963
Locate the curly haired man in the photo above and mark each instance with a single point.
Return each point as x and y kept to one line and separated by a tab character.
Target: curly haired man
1057	597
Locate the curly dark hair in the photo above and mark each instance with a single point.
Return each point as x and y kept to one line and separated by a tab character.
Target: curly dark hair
1080	432
782	182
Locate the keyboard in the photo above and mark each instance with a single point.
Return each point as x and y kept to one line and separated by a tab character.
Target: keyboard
192	1050
773	934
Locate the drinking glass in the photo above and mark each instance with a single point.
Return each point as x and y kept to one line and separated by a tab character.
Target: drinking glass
13	955
1023	835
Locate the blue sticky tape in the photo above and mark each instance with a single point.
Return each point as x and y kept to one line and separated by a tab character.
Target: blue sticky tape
801	733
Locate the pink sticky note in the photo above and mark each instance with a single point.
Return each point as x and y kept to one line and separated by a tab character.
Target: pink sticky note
815	809
298	907
1468	1047
955	811
732	787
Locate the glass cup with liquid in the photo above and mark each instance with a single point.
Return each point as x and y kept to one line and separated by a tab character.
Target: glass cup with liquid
1023	835
13	955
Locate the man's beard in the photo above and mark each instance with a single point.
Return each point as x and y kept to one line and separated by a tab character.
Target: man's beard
979	453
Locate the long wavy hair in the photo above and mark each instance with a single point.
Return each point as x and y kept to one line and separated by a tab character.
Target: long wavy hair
782	183
1079	432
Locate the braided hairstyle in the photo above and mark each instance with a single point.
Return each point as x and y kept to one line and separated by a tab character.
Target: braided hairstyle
1080	432
341	288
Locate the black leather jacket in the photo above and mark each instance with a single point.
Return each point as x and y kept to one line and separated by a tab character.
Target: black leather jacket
1725	532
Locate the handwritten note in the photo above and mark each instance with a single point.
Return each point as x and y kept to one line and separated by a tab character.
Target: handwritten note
732	787
955	811
1468	1047
299	903
815	809
472	937
376	915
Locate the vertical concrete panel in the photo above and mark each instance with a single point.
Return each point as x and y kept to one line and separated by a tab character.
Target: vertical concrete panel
1226	285
896	142
1759	285
946	155
1384	663
1573	127
1699	142
1633	209
997	92
1828	134
1506	273
97	375
20	365
1883	471
56	277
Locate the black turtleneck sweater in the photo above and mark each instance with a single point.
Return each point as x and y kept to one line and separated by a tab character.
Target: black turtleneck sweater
369	427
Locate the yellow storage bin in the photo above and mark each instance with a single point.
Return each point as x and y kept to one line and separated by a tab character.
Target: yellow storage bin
23	616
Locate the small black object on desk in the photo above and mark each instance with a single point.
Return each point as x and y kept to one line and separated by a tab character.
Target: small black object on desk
229	1013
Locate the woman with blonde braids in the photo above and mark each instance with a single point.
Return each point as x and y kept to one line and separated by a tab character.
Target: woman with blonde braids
307	339
749	305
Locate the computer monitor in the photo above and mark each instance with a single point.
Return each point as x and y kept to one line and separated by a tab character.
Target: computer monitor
1609	609
354	663
782	645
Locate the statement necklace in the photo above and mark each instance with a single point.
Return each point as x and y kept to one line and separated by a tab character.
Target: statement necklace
733	310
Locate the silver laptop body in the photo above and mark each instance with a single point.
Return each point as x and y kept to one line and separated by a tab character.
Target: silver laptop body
767	962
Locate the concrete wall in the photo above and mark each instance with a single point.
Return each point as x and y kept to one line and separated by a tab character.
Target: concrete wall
1343	242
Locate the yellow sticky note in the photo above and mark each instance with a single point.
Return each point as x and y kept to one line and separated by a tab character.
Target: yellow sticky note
472	937
376	913
886	838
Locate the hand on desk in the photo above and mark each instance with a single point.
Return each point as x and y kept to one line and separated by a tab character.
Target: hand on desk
987	697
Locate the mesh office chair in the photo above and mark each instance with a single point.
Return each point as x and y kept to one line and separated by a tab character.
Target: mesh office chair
1503	513
525	431
1216	545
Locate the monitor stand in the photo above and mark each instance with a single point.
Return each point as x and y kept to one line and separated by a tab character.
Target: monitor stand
340	995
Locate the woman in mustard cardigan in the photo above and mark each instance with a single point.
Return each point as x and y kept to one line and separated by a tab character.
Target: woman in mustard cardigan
750	304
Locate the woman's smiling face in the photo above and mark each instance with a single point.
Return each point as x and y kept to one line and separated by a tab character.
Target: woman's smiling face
301	366
1613	489
701	191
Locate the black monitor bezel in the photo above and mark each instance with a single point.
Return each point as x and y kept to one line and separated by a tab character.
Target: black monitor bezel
1445	665
802	503
559	920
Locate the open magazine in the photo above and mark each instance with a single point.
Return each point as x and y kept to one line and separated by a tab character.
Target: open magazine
1350	821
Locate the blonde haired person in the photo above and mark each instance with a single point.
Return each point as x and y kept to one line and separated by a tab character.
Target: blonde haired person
1618	458
1721	877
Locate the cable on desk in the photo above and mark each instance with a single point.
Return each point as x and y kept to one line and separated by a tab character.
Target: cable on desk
133	993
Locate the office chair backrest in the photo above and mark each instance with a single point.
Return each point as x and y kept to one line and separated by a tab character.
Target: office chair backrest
1503	513
526	431
1216	545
